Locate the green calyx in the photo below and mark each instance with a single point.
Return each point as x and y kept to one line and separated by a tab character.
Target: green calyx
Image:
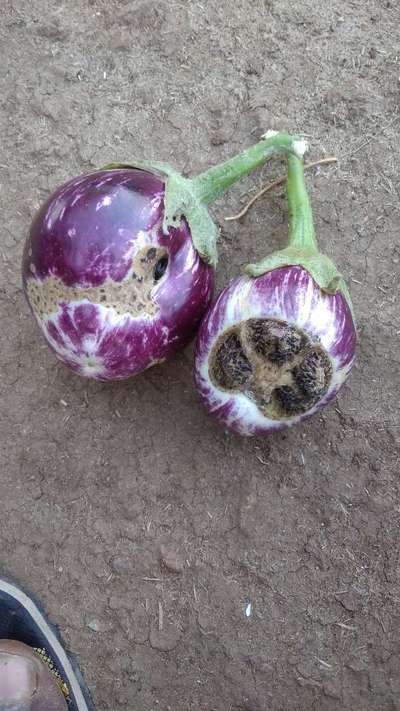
189	197
302	249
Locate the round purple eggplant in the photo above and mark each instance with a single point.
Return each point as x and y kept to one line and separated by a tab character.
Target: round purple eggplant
111	292
279	341
118	267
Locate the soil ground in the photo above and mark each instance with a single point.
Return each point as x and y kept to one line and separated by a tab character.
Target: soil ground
99	482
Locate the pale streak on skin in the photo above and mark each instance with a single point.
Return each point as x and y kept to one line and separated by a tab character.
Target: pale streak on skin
89	364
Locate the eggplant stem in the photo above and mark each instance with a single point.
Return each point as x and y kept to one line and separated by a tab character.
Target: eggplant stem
279	181
301	223
208	186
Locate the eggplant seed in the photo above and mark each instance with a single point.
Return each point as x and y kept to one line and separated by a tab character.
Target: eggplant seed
230	367
276	340
314	373
291	400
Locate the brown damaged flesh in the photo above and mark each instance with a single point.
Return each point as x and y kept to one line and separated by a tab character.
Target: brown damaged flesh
274	363
133	295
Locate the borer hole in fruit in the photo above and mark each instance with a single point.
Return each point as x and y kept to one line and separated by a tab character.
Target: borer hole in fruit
160	268
274	363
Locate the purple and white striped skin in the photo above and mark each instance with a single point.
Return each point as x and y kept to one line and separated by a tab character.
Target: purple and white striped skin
278	343
287	294
119	265
112	293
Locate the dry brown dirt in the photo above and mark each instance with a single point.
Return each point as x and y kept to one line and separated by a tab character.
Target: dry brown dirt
99	483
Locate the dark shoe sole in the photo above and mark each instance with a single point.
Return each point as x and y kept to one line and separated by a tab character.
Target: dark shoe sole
22	619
